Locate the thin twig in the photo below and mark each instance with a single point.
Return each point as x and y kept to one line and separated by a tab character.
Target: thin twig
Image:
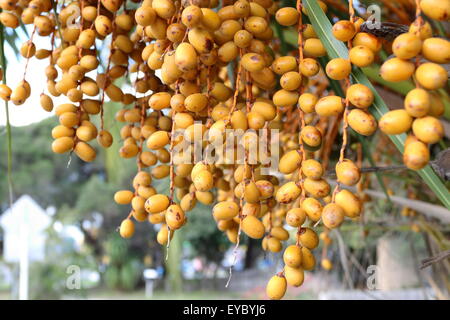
343	257
435	259
332	173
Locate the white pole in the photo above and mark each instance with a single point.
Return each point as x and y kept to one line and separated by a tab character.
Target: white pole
23	273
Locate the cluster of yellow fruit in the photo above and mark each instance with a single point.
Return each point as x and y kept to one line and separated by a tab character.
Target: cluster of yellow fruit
425	106
197	69
418	54
308	196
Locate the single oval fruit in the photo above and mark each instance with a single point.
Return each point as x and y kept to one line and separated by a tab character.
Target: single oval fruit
422	28
326	264
308	238
360	96
185	57
138	203
203	181
347	172
276	287
123	197
317	188
288	192
292	256
253	227
201	39
175	217
62	131
62	145
431	76
362	122
225	210
396	70
436	50
428	129
406	46
158	140
283	98
338	68
367	40
308	259
309	67
284	64
344	30
266	189
126	228
311	136
163	235
274	245
313	208
294	276
416	155
291	80
164	8
266	109
280	233
196	102
395	122
290	162
332	215
295	217
251	192
156	203
5	94
361	56
312	169
436	9
329	106
188	202
287	16
417	102
145	16
314	48
191	16
253	62
349	202
307	102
